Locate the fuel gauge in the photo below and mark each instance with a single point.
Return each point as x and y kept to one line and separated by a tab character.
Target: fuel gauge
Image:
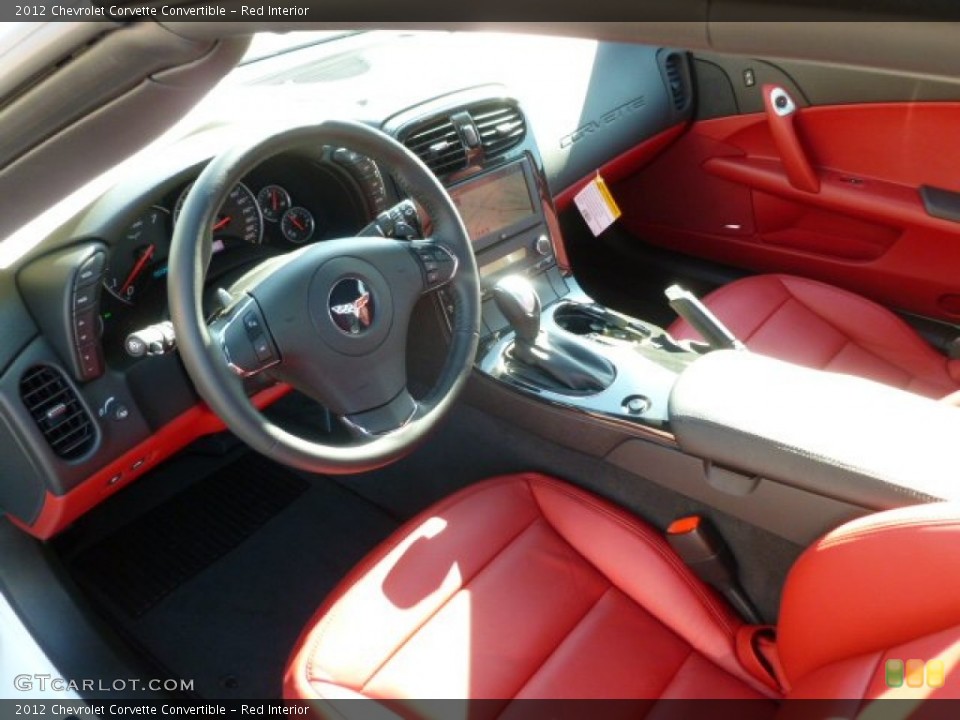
297	225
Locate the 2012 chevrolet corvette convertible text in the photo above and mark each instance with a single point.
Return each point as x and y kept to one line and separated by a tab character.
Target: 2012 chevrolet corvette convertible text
595	361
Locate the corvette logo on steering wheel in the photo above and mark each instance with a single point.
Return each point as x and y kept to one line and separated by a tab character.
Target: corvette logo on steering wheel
351	306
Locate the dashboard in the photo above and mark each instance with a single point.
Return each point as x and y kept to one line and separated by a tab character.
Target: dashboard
81	418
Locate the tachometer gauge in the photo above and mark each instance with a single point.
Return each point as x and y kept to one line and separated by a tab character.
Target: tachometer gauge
274	202
239	217
297	225
140	258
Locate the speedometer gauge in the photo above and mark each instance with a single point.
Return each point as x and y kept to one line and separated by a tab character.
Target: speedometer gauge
140	257
239	217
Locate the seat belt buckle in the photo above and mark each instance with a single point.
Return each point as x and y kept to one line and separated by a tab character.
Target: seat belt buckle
703	550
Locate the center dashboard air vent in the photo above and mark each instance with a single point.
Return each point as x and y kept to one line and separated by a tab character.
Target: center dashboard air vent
57	411
450	142
501	126
438	144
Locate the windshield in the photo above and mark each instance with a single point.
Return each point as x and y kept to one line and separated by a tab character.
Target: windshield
8	29
309	76
267	45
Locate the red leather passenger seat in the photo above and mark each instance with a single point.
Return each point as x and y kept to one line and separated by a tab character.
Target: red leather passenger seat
527	587
824	327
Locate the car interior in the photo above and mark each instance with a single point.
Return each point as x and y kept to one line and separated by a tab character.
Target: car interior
552	360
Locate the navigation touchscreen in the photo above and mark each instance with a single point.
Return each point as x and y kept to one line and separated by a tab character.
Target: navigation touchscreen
493	202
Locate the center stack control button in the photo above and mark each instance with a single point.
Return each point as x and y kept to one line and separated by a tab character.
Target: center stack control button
542	245
91	362
84	325
84	298
91	270
85	293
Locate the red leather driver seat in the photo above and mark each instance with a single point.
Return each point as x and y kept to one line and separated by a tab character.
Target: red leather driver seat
527	587
821	326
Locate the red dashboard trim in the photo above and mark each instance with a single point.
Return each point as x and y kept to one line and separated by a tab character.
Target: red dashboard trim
59	511
625	164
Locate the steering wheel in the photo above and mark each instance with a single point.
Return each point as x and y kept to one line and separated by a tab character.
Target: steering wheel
330	319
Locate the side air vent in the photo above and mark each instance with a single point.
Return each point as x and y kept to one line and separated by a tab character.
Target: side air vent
501	126
676	74
438	145
57	411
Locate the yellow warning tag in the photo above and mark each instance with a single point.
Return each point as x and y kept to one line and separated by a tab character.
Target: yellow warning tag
597	205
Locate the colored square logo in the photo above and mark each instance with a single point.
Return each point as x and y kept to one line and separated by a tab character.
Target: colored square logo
936	674
894	673
915	673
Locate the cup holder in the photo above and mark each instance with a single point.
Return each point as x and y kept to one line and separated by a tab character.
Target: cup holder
574	319
590	321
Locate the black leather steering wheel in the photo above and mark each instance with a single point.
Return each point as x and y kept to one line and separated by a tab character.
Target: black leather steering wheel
330	319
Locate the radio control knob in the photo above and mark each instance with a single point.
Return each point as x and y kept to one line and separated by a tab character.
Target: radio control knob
543	246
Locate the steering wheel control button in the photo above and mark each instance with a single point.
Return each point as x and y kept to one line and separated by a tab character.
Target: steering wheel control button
439	265
351	305
246	343
263	349
400	221
636	404
253	325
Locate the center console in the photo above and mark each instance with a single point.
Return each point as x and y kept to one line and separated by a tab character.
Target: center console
708	426
540	333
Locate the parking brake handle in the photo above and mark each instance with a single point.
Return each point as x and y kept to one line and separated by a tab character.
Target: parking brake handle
688	306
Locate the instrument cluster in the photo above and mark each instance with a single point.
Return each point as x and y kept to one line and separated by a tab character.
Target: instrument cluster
281	205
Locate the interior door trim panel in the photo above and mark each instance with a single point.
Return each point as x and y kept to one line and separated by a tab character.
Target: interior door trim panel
721	192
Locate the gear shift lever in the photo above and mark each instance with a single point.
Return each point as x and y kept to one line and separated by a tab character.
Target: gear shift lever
553	361
520	305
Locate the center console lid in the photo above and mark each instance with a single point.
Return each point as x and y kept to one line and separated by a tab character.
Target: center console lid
834	435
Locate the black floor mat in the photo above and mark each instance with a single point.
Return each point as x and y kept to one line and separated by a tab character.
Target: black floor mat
150	558
215	583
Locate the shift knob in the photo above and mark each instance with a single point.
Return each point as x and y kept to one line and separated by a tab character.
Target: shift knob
520	304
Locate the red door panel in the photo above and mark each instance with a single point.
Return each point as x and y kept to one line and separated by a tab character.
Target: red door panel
721	192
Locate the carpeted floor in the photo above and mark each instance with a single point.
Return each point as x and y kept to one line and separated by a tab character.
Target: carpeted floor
216	582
